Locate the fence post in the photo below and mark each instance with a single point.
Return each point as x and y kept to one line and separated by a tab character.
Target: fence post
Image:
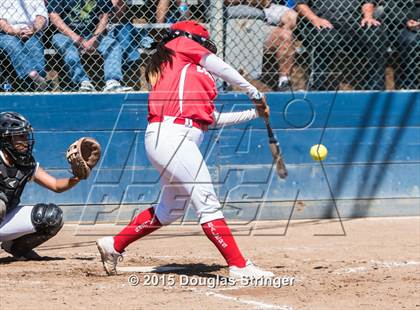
216	25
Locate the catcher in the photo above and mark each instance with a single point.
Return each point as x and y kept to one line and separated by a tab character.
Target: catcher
23	228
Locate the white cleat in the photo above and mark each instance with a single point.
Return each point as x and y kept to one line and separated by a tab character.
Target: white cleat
109	255
249	271
86	86
115	86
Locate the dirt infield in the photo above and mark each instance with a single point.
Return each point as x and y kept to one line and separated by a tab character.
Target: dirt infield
376	265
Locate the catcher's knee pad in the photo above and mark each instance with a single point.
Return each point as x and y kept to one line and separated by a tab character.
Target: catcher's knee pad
47	218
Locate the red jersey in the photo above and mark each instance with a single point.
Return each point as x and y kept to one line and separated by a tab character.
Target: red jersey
186	89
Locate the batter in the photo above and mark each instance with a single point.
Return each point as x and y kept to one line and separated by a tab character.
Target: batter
180	111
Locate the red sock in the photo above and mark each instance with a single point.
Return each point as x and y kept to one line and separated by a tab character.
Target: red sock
142	225
219	233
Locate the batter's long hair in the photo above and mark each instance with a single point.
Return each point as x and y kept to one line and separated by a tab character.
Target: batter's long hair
162	55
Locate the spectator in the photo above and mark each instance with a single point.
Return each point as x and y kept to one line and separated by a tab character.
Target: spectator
172	11
82	26
409	49
168	11
3	76
21	25
337	26
131	40
4	82
280	38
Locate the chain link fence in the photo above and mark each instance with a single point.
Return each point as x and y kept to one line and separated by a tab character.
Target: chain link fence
103	45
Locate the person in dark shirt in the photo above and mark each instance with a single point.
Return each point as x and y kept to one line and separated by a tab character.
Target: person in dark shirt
131	40
344	26
23	227
281	22
82	26
409	48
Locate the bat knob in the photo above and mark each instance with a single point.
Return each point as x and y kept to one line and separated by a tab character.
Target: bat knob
281	169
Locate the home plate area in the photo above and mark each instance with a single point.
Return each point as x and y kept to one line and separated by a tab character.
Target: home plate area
375	265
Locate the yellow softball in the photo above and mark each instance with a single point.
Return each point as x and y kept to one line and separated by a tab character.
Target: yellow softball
319	152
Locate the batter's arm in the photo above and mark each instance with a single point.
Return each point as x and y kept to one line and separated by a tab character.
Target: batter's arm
218	67
233	118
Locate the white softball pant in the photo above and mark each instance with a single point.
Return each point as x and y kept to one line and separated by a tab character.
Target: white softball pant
17	223
173	150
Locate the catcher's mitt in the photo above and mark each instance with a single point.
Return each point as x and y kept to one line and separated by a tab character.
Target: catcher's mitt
83	155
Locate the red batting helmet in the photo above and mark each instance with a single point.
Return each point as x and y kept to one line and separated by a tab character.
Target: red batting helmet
192	27
194	31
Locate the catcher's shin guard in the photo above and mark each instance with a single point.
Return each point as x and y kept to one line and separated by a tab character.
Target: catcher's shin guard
3	206
47	220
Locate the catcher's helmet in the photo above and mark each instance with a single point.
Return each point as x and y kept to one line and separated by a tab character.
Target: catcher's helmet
16	137
194	31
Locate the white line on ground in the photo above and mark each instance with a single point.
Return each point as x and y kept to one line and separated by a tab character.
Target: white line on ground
376	264
256	304
392	264
351	270
146	269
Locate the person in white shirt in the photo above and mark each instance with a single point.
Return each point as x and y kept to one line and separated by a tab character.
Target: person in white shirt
21	25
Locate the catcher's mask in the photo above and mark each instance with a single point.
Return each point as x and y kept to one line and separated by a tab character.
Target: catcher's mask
194	31
16	138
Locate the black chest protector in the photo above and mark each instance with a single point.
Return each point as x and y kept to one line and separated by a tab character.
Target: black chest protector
13	181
